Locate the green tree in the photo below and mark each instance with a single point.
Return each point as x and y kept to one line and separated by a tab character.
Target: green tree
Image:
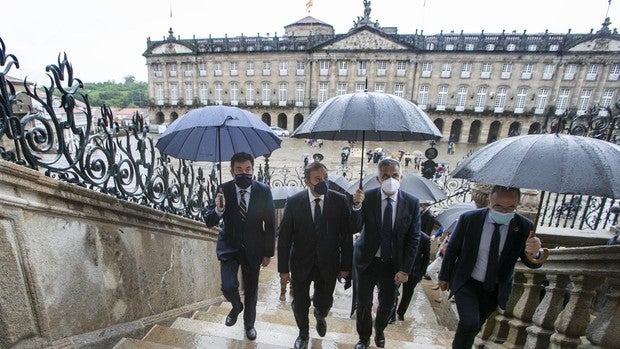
130	94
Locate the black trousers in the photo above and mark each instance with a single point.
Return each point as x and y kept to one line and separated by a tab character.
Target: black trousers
405	298
322	298
474	306
380	274
229	269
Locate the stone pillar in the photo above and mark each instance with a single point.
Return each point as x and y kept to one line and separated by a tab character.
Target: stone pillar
480	194
539	334
523	310
501	328
529	203
603	331
572	322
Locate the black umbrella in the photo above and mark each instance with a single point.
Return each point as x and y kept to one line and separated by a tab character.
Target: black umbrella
557	163
448	217
423	189
368	116
217	132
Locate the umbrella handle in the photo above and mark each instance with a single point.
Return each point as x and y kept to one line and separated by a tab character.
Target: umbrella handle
544	254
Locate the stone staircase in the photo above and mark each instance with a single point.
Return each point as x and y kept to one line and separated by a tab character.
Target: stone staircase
275	325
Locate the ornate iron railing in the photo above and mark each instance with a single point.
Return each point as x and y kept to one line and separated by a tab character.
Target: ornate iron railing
101	156
122	161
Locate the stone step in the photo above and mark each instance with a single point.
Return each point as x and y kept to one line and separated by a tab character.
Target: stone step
340	331
181	338
284	335
131	343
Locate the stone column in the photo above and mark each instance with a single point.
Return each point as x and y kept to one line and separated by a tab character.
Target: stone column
524	310
539	334
480	194
501	321
572	322
529	203
603	331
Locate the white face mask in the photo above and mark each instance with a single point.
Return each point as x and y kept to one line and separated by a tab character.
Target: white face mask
390	186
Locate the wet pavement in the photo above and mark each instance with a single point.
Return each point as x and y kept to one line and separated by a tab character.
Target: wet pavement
276	328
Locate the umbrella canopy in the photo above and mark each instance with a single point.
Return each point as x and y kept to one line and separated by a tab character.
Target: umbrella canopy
215	133
420	187
448	217
280	194
381	116
338	182
368	116
550	162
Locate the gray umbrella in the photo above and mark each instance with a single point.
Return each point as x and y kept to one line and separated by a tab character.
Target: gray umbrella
280	194
420	187
448	217
550	162
557	163
368	116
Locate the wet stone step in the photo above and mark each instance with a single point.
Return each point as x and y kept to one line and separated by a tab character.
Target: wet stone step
131	343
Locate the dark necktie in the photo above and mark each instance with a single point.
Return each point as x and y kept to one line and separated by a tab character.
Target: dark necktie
490	279
243	208
317	215
386	231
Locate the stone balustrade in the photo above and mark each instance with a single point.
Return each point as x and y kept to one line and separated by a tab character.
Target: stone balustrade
572	301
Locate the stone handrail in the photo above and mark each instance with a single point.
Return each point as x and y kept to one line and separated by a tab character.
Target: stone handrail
581	300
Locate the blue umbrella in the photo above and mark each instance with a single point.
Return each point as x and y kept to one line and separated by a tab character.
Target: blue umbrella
217	132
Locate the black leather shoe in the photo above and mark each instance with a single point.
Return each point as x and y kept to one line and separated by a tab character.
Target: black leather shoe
362	344
392	319
380	339
321	324
301	343
231	318
250	333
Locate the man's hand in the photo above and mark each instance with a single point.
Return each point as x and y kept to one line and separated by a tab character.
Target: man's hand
444	285
220	202
285	278
266	261
400	278
358	198
532	244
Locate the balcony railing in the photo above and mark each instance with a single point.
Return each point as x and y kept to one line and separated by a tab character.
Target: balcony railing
572	301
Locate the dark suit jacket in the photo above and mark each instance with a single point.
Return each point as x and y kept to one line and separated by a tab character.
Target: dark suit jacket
462	251
256	237
422	257
300	248
427	221
405	235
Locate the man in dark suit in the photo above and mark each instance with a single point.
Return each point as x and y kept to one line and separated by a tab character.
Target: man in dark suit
314	245
389	221
247	238
479	261
419	269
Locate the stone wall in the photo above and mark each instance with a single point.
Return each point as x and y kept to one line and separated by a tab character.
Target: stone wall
79	268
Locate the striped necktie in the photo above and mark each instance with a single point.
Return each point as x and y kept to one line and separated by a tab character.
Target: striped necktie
243	208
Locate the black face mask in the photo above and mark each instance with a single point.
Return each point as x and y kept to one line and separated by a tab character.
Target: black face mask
243	180
321	188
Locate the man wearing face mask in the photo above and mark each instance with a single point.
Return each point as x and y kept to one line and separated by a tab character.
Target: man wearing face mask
247	238
479	261
314	245
389	221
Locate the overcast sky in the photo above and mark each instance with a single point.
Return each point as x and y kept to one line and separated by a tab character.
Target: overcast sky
105	40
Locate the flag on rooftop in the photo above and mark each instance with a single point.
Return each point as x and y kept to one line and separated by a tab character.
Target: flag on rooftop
308	5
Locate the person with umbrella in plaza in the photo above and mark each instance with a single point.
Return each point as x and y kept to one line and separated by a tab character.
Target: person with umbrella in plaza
389	222
314	246
479	261
247	237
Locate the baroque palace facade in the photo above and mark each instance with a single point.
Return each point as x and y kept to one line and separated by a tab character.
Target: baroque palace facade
476	87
